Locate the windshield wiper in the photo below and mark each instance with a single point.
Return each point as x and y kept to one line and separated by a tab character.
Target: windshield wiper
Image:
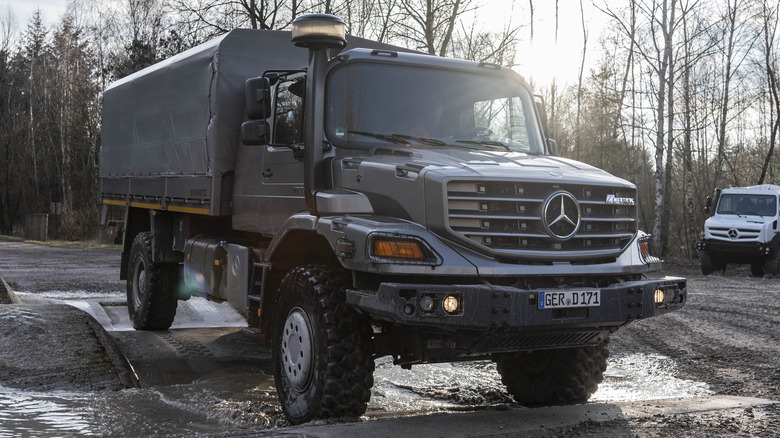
423	140
390	138
485	143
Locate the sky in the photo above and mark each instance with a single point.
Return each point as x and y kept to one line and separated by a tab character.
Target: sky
51	10
541	61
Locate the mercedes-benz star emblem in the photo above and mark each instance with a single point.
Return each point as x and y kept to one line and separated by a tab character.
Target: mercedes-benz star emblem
733	234
561	215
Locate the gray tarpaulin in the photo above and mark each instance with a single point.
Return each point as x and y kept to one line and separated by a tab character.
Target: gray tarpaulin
182	116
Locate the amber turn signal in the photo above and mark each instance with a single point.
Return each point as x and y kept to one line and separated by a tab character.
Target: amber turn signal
398	249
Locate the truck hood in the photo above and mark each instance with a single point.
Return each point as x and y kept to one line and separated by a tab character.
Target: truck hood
514	165
396	180
737	221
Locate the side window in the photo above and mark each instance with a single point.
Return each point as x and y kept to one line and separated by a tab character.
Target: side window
502	119
288	119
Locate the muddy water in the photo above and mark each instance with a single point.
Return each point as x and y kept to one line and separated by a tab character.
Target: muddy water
244	398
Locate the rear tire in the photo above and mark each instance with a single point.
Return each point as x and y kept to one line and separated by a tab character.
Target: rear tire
554	377
322	352
710	263
151	287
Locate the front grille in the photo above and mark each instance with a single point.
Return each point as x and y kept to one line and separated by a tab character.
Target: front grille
738	234
505	218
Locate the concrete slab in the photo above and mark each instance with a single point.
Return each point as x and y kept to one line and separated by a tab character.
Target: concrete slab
56	346
514	421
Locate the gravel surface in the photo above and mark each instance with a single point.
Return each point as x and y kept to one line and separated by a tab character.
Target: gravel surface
725	339
727	335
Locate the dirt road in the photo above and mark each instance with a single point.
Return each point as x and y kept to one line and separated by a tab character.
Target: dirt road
671	376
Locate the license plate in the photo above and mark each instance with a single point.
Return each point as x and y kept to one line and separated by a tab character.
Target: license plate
569	298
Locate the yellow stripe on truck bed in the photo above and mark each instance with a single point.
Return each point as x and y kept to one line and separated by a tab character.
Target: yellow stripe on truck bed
176	208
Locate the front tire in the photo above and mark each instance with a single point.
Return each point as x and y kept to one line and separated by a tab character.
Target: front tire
151	287
772	263
710	263
322	353
554	377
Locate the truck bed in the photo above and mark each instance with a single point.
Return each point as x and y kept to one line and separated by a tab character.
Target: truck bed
171	130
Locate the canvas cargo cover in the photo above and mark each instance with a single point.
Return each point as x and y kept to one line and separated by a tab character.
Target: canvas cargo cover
171	130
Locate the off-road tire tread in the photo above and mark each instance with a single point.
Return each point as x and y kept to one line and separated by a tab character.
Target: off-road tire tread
163	279
572	376
348	359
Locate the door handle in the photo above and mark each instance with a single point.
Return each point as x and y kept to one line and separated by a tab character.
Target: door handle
267	173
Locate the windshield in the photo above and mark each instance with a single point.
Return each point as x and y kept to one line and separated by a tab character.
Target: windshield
380	104
757	205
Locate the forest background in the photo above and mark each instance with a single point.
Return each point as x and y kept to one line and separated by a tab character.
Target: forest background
683	96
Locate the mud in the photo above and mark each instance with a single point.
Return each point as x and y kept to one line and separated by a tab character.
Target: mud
723	343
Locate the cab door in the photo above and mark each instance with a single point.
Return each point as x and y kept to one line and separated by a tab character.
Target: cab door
282	192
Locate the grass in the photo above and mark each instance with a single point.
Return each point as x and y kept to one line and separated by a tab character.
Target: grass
63	243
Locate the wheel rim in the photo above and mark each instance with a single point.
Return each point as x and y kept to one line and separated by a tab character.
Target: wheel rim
297	349
139	283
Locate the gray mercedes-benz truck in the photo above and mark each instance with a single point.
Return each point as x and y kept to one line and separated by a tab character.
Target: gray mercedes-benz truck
354	200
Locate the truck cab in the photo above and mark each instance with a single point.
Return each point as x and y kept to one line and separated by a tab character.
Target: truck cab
743	229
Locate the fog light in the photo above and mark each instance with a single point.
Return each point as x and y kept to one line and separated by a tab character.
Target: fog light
426	303
660	296
450	304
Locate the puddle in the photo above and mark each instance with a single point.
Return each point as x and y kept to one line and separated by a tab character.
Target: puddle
436	387
53	413
231	400
637	377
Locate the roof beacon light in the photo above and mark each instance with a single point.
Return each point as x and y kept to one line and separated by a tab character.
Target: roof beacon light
318	31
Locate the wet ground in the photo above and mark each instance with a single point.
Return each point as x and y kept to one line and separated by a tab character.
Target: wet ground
674	375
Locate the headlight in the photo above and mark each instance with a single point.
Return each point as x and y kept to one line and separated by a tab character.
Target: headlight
399	248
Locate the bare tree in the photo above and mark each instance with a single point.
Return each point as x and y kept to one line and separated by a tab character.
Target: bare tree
577	141
429	24
769	20
738	40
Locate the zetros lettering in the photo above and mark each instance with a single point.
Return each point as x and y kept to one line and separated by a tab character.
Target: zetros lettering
615	200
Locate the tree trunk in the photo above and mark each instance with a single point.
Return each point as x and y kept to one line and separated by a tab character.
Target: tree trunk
667	205
666	28
577	135
732	18
772	84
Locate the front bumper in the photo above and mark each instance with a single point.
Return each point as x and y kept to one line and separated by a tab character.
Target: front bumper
737	249
489	308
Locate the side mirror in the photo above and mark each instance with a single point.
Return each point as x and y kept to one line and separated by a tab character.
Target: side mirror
255	132
552	147
707	205
257	93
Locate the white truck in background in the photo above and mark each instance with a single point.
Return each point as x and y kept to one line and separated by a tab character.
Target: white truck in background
742	228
